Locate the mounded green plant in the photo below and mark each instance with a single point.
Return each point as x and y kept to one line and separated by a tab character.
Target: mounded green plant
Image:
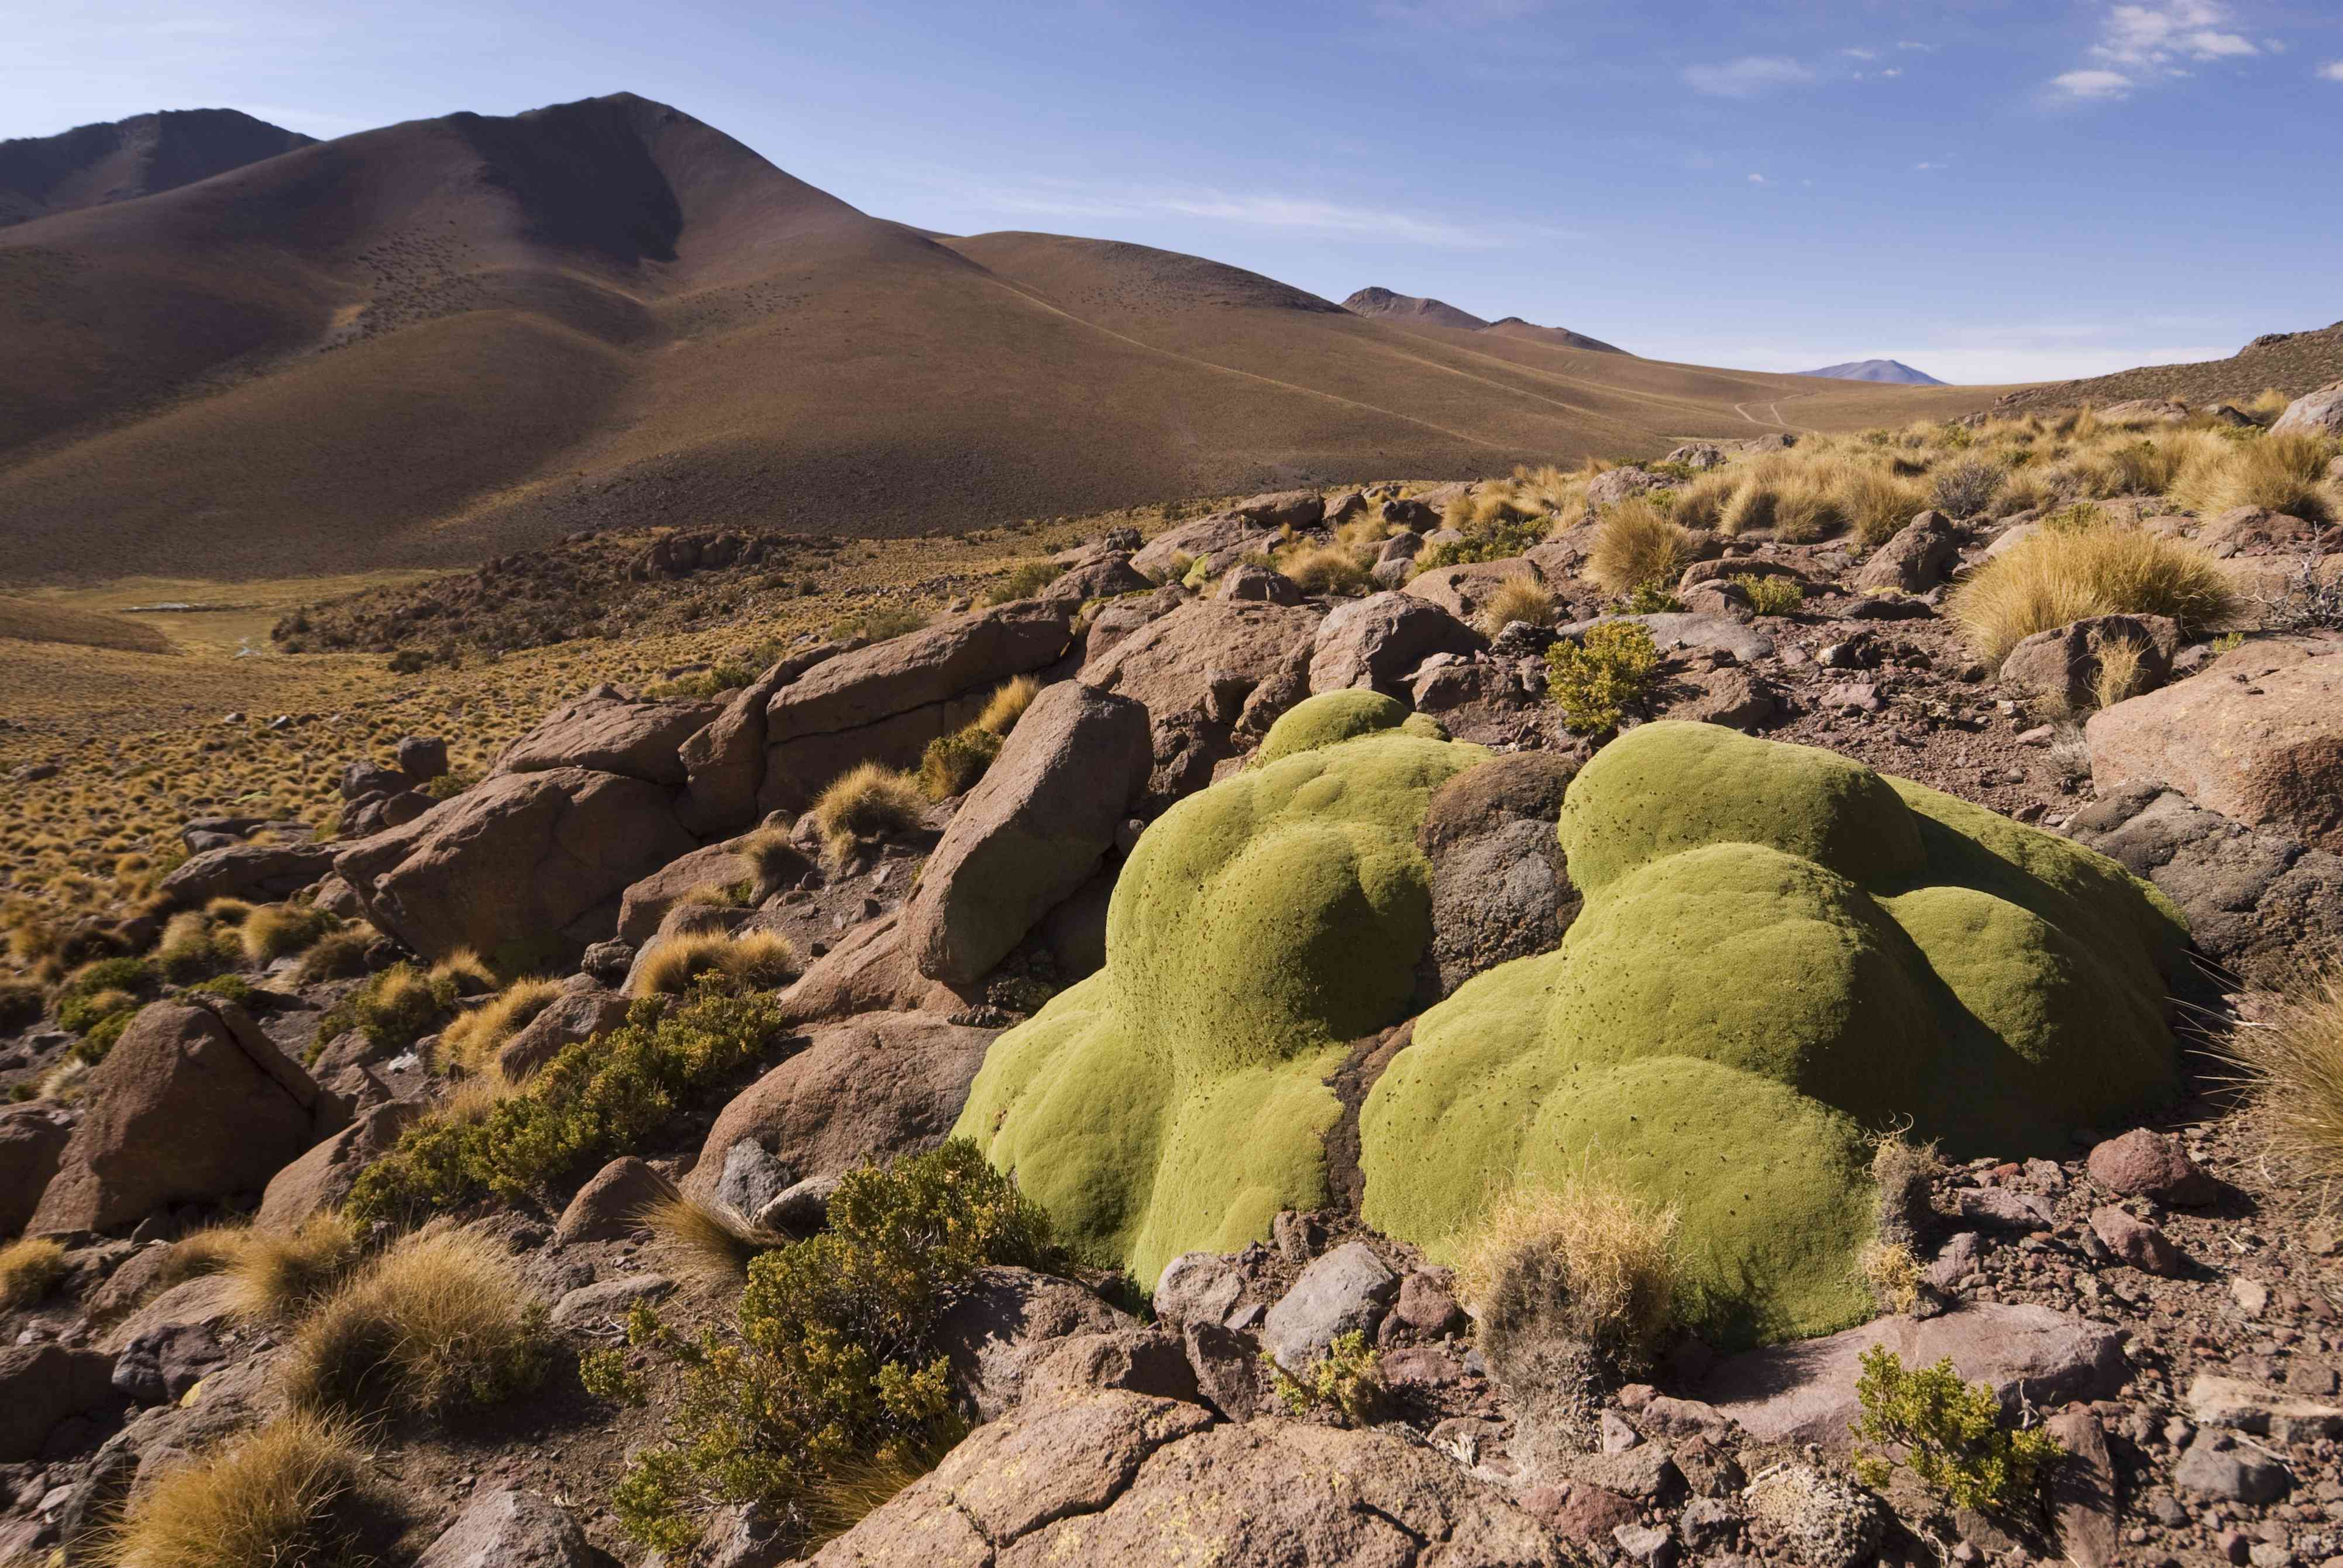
951	764
1604	676
832	1371
1176	1099
1770	594
1951	1435
1347	1379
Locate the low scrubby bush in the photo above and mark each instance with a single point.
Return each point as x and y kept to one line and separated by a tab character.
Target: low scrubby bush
194	948
296	1492
1950	1435
870	800
1770	594
877	623
1497	536
952	764
1597	680
1348	1380
597	1099
2081	567
830	1376
393	1008
1965	489
437	1321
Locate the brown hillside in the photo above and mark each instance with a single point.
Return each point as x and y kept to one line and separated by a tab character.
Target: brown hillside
91	165
1558	337
1409	307
2293	362
434	343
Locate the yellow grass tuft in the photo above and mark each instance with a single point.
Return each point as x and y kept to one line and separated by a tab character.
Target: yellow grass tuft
277	931
1582	1259
2118	675
295	1491
1326	569
704	1244
29	1267
1008	705
473	1039
758	961
280	1274
1637	545
2291	1066
2064	574
1518	598
437	1321
868	801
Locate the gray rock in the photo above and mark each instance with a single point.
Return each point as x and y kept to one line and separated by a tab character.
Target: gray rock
1672	630
2317	413
2083	1490
1915	558
2243	1406
2061	667
611	1204
2217	1466
752	1178
1005	1321
1709	1523
801	1208
1198	1287
1649	1543
159	1366
608	1300
1956	1260
1646	1472
512	1529
1381	639
1345	1292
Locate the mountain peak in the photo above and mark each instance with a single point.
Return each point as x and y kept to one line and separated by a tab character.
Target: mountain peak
1888	372
1386	303
120	160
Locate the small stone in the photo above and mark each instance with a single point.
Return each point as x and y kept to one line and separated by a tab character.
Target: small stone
1709	1522
2216	1467
2147	1164
1647	1543
2251	1295
1344	1291
2136	1242
1618	1436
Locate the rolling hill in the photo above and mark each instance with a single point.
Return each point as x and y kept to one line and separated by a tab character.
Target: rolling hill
121	160
1413	310
2292	362
429	344
1883	372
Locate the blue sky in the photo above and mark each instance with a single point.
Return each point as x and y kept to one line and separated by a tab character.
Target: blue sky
1991	191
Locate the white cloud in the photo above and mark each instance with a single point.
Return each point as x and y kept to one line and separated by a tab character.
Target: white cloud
1893	71
1927	167
2154	35
1860	54
1758	180
1747	76
1307	215
1908	44
2331	72
2098	85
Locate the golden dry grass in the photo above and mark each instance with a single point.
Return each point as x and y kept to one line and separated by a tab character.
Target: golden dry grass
1519	598
705	1245
337	955
1326	569
438	1321
280	1274
1637	545
1007	703
2290	1063
2118	675
296	1493
280	930
758	961
1581	1258
2064	574
472	1040
868	801
29	1267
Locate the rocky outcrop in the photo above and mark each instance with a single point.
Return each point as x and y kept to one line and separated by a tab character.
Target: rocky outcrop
882	1085
245	872
518	864
885	702
193	1104
2319	413
1379	640
724	761
32	1140
645	903
2256	735
1208	673
1500	888
1218	539
2062	667
1917	558
1465	591
1004	1321
320	1179
1030	832
610	733
1122	1477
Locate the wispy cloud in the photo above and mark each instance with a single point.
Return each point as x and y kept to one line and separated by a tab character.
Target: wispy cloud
2155	34
1853	54
1747	76
1924	167
2092	85
2331	72
1271	210
1759	180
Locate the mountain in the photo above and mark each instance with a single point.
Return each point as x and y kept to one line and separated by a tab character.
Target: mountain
91	165
1384	303
1887	372
1560	337
437	342
2293	363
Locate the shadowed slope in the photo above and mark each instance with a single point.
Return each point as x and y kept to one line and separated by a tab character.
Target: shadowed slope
120	160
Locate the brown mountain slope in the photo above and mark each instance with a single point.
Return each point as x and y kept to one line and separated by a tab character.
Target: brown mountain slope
1558	337
1384	304
120	160
442	341
2293	362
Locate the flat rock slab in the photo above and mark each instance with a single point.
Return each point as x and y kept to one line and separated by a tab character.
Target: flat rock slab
607	1299
512	1529
1805	1393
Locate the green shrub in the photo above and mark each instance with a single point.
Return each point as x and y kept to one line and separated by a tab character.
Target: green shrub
227	987
1348	1377
953	763
1951	1433
93	1046
598	1098
1596	681
1650	598
1770	594
1496	540
831	1369
394	1009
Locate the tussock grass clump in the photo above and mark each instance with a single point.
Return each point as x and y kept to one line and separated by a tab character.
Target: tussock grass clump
194	948
1007	703
1326	569
438	1322
2279	473
706	1244
280	930
2119	673
1517	598
1878	502
393	1008
472	1040
1637	545
597	1099
773	860
2068	572
867	801
2291	1066
758	960
831	1372
29	1267
337	955
280	1274
1580	1260
21	1002
297	1492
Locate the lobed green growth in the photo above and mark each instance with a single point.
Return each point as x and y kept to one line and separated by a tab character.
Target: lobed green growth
1770	594
1347	1379
1952	1436
599	1098
1176	1099
1779	950
1598	680
832	1370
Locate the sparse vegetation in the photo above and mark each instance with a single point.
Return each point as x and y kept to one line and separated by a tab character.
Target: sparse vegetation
1967	487
280	930
754	960
878	622
2064	574
29	1266
1950	1435
868	801
597	1099
1638	545
830	1374
1599	679
337	955
1578	1260
952	764
437	1321
298	1491
1327	569
1522	600
1770	594
393	1008
1348	1380
2290	1064
2121	673
1023	581
472	1040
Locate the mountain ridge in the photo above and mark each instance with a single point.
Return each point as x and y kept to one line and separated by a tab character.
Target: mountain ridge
1881	372
122	160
